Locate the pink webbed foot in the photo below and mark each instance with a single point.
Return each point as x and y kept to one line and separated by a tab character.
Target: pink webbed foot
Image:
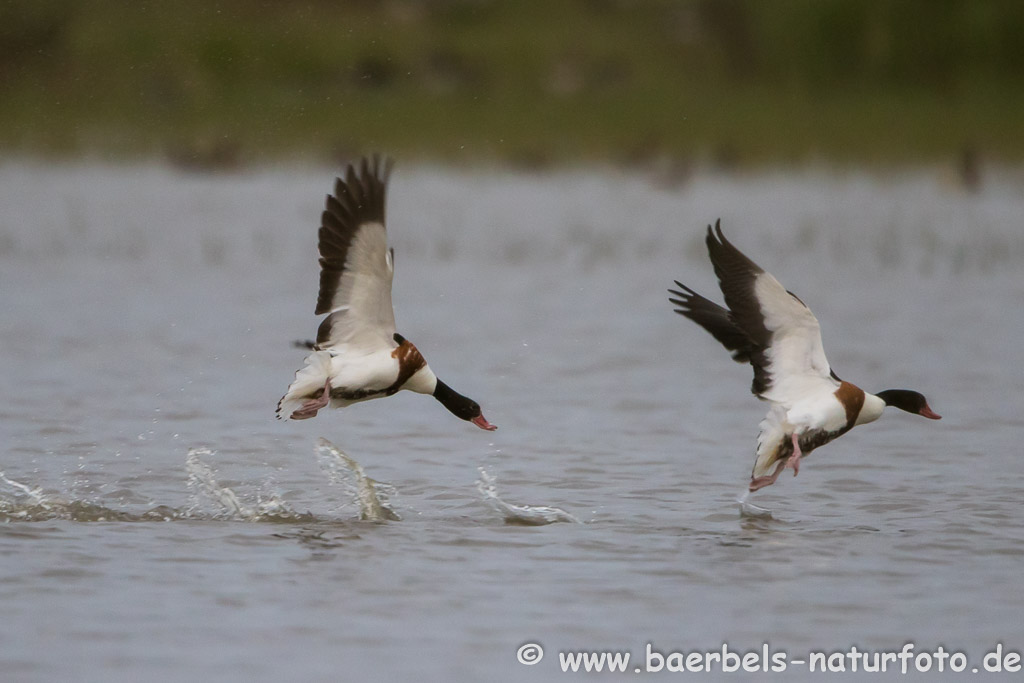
309	408
794	460
768	480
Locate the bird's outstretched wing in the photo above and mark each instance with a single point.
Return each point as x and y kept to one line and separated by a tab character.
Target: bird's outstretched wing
786	337
762	323
356	265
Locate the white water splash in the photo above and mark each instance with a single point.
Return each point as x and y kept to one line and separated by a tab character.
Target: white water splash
532	515
31	505
204	486
35	494
748	509
372	497
28	504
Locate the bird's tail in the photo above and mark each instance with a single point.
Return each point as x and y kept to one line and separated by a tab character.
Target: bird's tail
308	380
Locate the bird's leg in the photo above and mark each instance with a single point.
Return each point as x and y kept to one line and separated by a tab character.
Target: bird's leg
310	407
794	460
767	480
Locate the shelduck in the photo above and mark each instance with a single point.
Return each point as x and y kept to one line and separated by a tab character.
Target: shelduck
358	355
773	330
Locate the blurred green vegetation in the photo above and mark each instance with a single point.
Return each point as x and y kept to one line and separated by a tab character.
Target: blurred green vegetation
526	81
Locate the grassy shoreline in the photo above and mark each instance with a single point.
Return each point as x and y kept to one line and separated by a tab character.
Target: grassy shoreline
729	82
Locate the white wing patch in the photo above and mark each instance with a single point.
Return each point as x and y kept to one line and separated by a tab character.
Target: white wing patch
796	357
362	304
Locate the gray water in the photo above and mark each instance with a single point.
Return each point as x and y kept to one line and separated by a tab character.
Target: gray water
159	524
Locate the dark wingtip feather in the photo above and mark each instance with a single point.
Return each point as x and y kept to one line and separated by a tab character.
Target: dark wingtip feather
715	235
737	274
359	197
714	319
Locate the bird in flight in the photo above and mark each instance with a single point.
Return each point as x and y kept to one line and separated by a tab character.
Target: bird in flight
769	327
358	354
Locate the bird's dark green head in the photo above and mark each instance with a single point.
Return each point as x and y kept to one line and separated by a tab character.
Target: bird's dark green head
461	406
910	401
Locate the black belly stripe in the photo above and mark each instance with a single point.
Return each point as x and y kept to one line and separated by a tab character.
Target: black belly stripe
808	442
357	394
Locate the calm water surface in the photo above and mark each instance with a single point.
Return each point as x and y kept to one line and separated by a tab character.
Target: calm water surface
148	314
